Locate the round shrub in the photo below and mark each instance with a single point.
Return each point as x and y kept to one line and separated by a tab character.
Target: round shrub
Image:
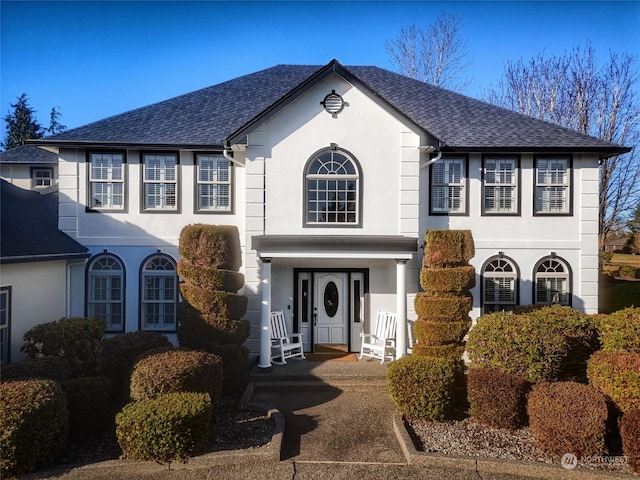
449	279
53	368
630	433
422	387
620	330
447	248
497	399
119	353
177	370
169	428
445	306
617	375
544	344
568	417
77	340
215	246
89	406
34	425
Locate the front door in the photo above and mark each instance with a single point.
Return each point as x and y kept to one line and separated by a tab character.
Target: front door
331	308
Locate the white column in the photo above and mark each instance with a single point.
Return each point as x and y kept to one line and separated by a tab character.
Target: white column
401	308
265	310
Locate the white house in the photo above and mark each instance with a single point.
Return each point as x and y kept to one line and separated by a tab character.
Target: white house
29	167
332	175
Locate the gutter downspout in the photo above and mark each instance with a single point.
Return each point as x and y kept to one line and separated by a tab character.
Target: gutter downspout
432	160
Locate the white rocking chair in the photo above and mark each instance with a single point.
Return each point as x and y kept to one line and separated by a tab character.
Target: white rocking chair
382	343
283	344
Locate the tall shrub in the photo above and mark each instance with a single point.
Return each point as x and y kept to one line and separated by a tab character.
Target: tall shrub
620	330
210	315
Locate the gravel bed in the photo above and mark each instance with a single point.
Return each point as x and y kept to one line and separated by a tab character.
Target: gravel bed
466	438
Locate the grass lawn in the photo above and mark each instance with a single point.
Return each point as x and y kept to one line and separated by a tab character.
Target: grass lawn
617	293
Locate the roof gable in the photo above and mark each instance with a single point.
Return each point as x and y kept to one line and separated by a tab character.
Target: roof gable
28	231
216	116
28	154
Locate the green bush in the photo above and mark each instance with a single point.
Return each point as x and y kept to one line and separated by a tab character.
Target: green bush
223	304
34	425
77	340
628	271
620	330
197	330
169	428
177	370
214	246
617	375
423	387
447	248
496	398
630	434
209	278
568	417
119	354
545	344
440	333
53	368
451	351
457	280
442	306
89	406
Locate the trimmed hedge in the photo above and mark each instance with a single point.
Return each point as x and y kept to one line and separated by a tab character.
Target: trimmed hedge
33	425
630	433
448	279
497	399
77	340
210	278
218	303
546	344
617	375
169	428
89	406
422	387
440	333
211	246
442	305
620	330
178	370
53	368
119	354
568	417
196	330
447	248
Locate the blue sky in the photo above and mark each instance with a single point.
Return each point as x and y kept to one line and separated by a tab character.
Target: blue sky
97	59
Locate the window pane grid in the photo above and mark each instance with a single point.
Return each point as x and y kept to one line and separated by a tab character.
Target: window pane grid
106	292
499	286
552	185
159	295
106	178
500	185
447	186
552	283
214	183
160	182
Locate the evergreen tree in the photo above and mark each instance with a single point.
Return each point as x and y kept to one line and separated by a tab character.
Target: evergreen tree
54	122
21	124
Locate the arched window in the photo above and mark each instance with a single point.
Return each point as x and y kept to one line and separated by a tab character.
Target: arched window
552	281
158	293
332	189
105	292
499	284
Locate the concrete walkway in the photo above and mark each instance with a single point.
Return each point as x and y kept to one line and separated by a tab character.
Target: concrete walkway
334	421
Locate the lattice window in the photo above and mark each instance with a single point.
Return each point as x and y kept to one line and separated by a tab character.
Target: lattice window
105	275
159	293
448	177
552	282
214	183
500	283
106	181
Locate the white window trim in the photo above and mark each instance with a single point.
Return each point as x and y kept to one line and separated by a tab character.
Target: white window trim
497	185
496	274
547	187
448	186
38	183
217	182
162	274
109	182
110	303
564	275
161	182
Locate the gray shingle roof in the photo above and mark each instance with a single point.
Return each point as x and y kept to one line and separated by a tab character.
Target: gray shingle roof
212	115
29	233
28	154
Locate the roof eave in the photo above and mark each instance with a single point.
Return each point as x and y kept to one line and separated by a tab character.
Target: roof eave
43	258
603	152
126	145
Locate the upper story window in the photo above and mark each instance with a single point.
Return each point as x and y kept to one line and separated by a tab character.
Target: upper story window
553	185
332	189
552	281
158	293
106	181
448	192
160	181
105	291
213	183
41	177
499	284
500	186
